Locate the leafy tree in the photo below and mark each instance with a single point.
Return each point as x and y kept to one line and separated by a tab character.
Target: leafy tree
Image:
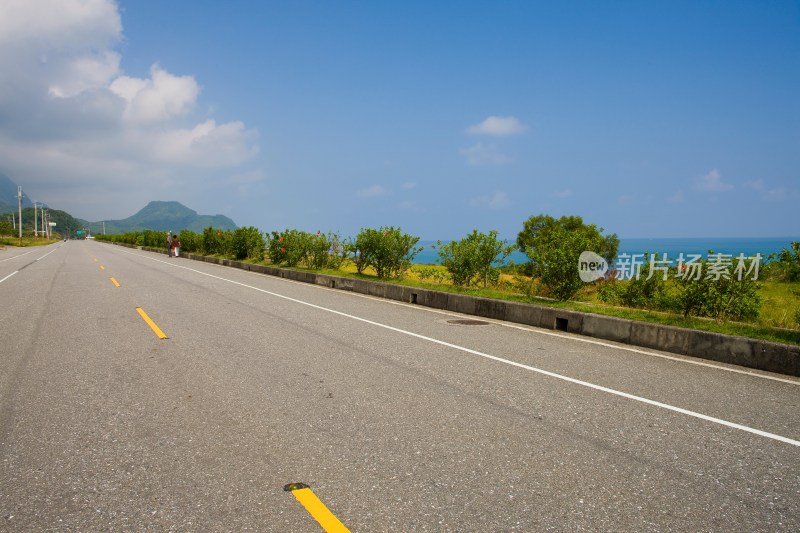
388	250
248	243
475	258
554	246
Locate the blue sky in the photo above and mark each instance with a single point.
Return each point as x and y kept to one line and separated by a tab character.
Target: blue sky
649	119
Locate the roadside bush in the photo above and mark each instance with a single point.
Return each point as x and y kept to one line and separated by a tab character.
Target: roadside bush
785	266
648	290
191	242
723	298
217	242
288	247
554	246
474	259
248	243
6	228
388	250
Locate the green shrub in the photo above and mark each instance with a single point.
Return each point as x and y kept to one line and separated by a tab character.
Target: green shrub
248	243
388	250
288	247
723	298
554	246
476	258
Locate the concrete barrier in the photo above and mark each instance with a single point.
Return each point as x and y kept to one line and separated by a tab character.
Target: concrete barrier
751	353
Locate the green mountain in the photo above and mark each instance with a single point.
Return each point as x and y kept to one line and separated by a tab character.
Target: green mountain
164	216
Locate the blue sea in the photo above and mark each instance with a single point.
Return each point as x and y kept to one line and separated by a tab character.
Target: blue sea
673	247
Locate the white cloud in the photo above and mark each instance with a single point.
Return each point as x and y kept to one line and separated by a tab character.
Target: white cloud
160	98
372	192
480	154
566	193
498	126
712	182
498	200
408	185
73	122
54	23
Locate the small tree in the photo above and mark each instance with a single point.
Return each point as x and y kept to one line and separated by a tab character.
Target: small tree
474	258
388	250
248	243
554	246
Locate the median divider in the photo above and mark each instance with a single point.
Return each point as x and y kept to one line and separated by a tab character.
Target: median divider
742	351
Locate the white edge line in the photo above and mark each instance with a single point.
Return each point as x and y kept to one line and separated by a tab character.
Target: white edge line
16	256
48	253
5	278
614	392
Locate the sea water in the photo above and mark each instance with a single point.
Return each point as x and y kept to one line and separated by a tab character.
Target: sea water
673	247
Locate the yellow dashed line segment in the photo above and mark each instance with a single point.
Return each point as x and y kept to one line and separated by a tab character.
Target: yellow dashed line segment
150	323
316	508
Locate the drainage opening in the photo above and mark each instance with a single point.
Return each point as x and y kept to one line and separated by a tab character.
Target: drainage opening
561	324
333	284
413	297
468	322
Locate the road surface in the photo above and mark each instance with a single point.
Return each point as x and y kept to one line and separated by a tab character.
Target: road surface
399	418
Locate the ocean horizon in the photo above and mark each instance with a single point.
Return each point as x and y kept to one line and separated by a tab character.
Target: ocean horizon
749	246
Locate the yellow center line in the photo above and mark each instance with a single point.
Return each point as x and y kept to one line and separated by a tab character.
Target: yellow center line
316	508
150	323
102	267
115	282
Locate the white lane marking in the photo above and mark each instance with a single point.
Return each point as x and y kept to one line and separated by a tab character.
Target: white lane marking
614	392
48	253
574	337
686	360
5	278
16	256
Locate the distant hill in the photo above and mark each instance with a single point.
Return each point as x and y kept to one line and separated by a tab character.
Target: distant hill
164	216
8	195
159	216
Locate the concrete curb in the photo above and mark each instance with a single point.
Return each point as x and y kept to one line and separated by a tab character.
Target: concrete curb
751	353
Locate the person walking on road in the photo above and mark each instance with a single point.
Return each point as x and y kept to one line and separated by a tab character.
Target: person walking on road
169	244
176	244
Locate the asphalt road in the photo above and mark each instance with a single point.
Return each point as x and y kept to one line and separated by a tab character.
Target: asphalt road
398	419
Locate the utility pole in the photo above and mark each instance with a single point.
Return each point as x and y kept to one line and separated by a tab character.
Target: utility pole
35	227
19	206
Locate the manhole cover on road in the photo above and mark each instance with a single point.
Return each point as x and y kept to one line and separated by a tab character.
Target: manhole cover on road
468	322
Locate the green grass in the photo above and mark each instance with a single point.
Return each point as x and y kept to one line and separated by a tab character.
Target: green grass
26	241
